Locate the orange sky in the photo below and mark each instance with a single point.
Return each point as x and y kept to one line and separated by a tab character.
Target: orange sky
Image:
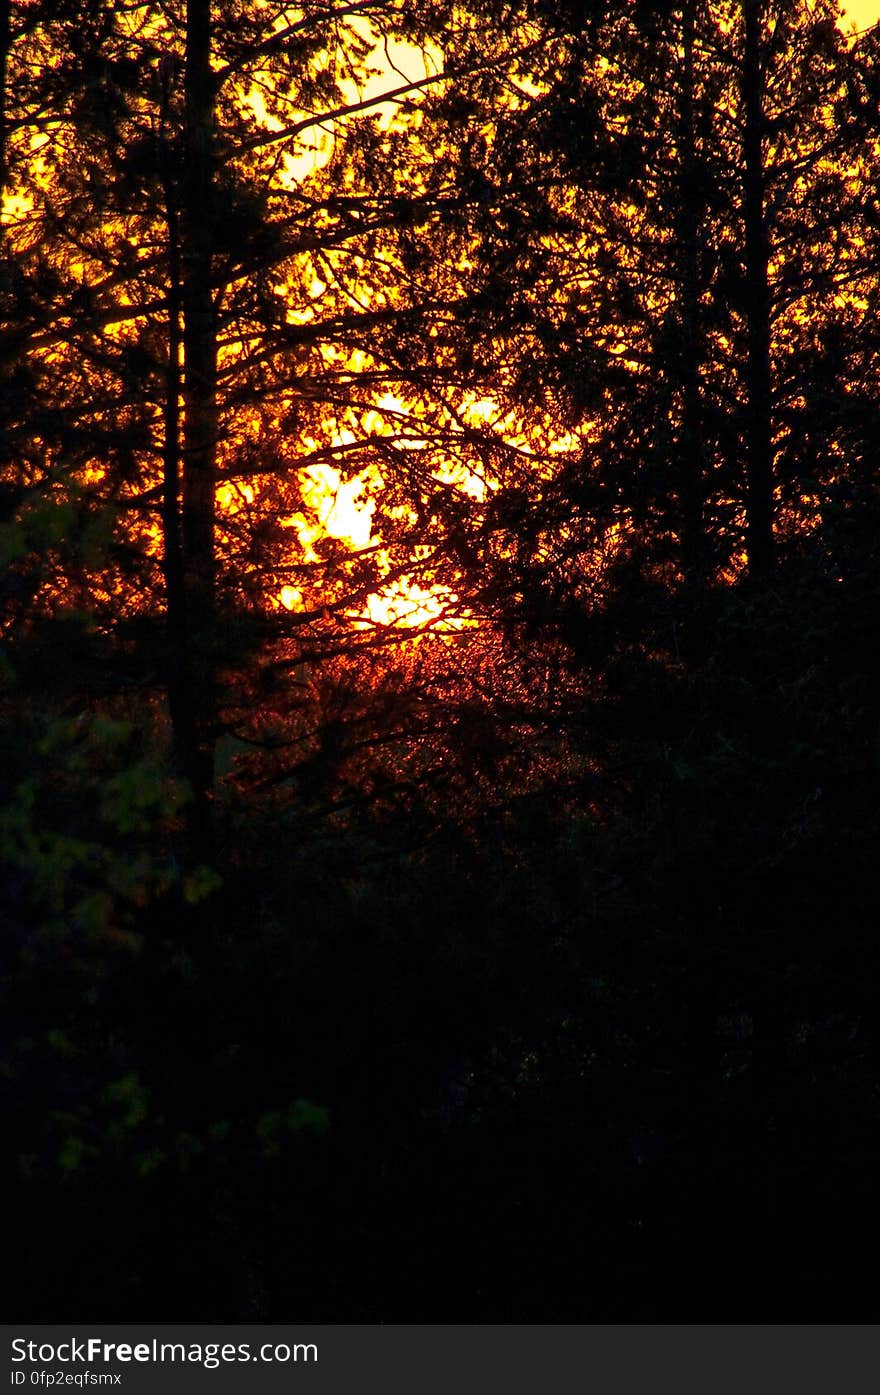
862	12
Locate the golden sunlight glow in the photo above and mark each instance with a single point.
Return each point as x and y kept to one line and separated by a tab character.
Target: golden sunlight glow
349	506
343	509
390	66
410	606
861	13
339	507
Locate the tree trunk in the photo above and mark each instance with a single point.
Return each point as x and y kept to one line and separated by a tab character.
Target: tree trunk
179	666
200	390
693	540
5	46
759	446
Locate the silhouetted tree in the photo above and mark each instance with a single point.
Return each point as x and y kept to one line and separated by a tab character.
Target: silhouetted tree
221	319
652	245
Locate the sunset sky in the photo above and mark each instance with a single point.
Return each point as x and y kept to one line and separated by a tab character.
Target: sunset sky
862	12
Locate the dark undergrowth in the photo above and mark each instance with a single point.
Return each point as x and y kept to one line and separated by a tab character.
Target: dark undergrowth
568	1056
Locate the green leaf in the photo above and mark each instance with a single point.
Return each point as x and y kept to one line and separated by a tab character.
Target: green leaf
200	884
71	1154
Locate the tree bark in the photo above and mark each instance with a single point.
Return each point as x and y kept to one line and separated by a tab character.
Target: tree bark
179	667
692	487
759	443
5	48
200	388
